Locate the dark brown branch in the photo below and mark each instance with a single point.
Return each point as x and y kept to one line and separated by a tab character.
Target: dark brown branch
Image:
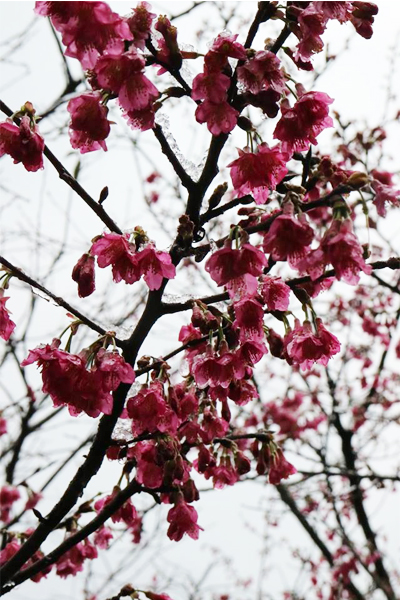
184	178
288	499
108	510
71	181
16	272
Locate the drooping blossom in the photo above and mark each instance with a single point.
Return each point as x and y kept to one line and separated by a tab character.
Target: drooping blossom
83	274
155	265
8	495
140	24
362	17
340	11
306	347
126	513
299	126
67	380
183	520
71	562
279	468
288	238
150	412
124	76
88	29
3	426
384	193
274	292
149	467
7	326
89	126
258	172
12	548
249	319
340	248
211	86
24	143
102	537
220	117
226	44
228	264
211	369
262	72
116	250
312	23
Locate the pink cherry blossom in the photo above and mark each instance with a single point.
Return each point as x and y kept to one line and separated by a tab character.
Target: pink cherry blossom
102	537
299	126
140	23
150	412
183	519
312	24
83	274
249	319
340	11
71	562
149	469
258	172
3	426
67	381
306	347
362	18
211	86
6	325
226	44
88	29
384	193
89	126
219	116
288	238
228	264
8	495
280	468
116	250
24	143
214	370
126	513
262	72
275	293
155	266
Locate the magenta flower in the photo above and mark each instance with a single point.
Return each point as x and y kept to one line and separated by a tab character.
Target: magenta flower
6	325
149	469
71	562
384	193
89	126
88	29
249	319
362	17
214	370
226	44
275	293
210	86
219	116
279	468
288	238
183	519
140	24
83	274
67	381
258	172
102	537
155	266
3	426
8	495
340	248
228	264
300	125
340	11
24	143
262	72
150	412
126	513
116	250
305	347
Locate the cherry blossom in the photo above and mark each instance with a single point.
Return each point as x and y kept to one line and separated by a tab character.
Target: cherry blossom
183	520
299	126
306	347
262	72
7	326
258	172
24	143
83	274
89	126
288	238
